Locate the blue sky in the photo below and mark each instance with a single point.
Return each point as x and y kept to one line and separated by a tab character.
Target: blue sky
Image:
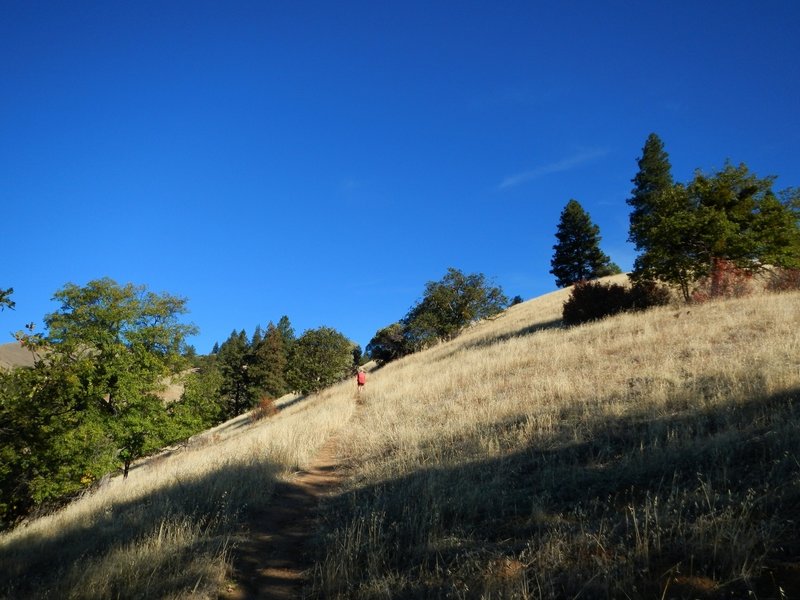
323	160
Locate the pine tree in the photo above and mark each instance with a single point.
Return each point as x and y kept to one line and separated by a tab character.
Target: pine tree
269	360
731	219
674	247
652	180
258	337
577	255
236	381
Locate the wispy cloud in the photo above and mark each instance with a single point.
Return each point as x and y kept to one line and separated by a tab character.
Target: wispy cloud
566	164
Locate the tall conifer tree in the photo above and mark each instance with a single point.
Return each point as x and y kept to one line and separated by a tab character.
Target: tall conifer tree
651	182
577	255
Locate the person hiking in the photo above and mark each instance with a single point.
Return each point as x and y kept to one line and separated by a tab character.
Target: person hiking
361	379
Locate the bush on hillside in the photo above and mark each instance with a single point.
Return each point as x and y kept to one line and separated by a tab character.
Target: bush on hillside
647	294
266	408
590	301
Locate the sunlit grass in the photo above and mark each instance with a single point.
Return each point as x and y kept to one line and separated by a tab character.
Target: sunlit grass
614	459
168	530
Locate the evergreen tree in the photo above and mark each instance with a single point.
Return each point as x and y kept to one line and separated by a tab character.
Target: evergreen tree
673	251
269	362
745	223
234	365
729	218
650	182
258	337
577	255
286	330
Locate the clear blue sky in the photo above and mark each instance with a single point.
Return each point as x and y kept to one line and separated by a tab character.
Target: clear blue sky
323	160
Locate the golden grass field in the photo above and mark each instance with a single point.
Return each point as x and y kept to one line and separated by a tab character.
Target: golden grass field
649	455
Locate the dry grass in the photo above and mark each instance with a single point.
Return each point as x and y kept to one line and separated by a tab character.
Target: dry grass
167	531
610	460
650	455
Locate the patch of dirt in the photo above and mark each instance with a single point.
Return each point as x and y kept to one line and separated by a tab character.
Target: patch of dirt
273	563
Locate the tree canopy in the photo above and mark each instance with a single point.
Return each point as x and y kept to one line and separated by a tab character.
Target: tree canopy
5	298
90	402
450	304
577	255
731	217
320	357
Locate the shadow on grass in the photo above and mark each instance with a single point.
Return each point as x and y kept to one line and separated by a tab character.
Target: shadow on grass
716	490
488	341
208	508
521	332
298	400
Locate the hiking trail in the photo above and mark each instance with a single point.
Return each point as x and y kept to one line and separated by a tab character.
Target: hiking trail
274	561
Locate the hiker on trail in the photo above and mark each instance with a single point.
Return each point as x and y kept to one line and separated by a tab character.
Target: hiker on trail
361	378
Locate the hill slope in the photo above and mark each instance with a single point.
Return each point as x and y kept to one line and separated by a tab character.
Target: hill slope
13	355
648	455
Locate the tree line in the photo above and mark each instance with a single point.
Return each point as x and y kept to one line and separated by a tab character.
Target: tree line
91	404
703	238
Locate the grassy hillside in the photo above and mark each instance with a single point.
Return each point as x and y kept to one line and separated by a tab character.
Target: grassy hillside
647	456
13	355
652	455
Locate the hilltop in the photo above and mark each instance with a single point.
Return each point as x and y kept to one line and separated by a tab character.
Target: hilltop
14	355
646	455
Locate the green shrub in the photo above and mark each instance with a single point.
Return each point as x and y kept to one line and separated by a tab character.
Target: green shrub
590	301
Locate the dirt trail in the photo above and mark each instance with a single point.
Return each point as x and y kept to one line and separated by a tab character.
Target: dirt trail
271	564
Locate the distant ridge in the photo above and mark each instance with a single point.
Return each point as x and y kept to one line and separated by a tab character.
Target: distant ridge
14	355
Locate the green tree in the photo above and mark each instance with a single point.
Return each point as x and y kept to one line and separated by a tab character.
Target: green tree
449	305
131	339
5	298
744	222
258	337
268	363
577	255
234	364
673	250
320	357
388	344
731	217
199	407
89	403
650	182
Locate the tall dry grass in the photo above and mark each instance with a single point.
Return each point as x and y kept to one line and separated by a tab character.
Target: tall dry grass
651	455
167	531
